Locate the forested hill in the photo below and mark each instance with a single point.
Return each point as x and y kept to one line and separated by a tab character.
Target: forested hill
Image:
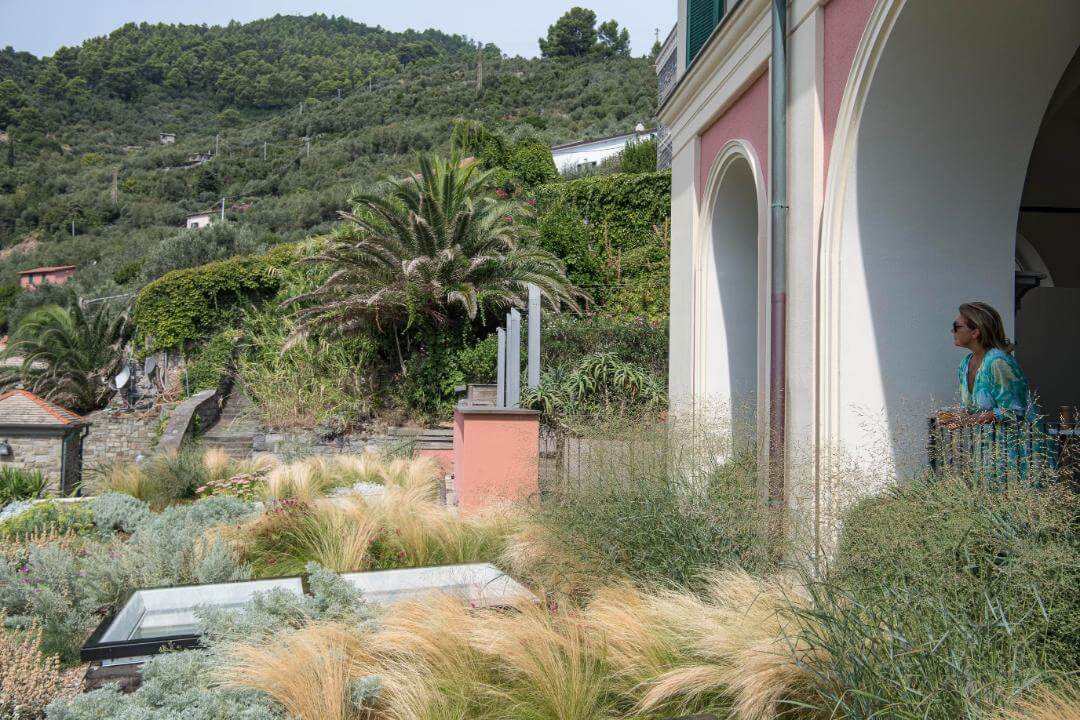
295	111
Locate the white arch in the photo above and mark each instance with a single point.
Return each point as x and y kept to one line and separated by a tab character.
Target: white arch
719	375
872	243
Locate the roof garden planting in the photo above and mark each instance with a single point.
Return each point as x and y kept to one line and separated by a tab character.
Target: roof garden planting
634	590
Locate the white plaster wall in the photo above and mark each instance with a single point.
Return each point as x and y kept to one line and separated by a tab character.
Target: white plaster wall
730	294
930	210
681	340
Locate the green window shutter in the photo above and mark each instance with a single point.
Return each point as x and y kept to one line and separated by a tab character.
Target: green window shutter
702	16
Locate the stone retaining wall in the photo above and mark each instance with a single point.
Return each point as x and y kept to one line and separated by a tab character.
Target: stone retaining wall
120	435
290	445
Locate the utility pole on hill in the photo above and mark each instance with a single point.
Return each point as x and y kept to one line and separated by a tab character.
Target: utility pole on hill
222	208
115	192
264	151
217	144
479	66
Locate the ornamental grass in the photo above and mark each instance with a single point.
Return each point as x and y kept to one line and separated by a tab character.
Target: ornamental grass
311	673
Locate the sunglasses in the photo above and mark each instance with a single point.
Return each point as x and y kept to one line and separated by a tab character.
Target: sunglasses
956	327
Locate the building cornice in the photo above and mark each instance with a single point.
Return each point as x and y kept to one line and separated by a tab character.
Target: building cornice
728	40
722	44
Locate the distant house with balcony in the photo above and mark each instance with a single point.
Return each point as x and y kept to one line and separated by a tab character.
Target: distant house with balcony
201	219
584	154
57	275
167	138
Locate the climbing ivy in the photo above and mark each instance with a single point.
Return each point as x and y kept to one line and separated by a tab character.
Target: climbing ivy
612	231
183	306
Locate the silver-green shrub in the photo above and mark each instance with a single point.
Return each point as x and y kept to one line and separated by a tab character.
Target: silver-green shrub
176	686
186	685
52	585
118	511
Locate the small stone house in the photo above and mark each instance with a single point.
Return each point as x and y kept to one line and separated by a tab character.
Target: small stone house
36	434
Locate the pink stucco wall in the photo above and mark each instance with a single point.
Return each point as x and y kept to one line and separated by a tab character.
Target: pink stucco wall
445	458
496	456
746	119
845	22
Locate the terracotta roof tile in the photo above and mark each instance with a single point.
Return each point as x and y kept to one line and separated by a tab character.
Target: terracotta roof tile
20	407
46	269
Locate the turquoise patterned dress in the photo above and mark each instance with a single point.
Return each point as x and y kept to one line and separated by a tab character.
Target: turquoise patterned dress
1000	385
1015	443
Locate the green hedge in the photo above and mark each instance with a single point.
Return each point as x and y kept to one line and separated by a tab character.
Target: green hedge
612	232
184	305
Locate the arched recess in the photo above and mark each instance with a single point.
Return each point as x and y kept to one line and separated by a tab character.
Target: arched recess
936	127
731	257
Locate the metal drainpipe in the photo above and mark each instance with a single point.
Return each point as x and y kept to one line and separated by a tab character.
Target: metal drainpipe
778	236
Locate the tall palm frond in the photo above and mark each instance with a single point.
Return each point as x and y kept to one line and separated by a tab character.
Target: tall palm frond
67	355
428	248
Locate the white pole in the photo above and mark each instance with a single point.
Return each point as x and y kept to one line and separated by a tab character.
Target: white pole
222	209
513	361
500	371
534	336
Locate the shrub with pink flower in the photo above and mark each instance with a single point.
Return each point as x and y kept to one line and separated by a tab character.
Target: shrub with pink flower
245	486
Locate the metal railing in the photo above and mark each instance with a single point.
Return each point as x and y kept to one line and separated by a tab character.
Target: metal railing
1005	450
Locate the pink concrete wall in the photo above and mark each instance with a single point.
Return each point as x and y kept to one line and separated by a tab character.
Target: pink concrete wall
445	458
496	457
746	119
845	22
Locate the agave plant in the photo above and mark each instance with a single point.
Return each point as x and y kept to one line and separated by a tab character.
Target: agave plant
68	356
426	250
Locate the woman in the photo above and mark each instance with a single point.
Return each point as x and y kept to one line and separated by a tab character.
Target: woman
992	384
994	396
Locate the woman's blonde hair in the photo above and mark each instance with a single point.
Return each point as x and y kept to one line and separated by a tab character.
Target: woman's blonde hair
984	318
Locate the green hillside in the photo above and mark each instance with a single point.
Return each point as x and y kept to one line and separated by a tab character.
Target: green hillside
297	112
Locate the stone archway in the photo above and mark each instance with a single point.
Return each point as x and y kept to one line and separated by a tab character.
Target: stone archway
942	108
729	297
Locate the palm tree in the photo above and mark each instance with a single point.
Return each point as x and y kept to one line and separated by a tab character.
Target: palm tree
426	250
68	356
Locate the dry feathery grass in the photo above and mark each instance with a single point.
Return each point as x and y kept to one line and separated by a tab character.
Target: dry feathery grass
218	464
427	665
427	533
1046	704
644	641
535	555
29	680
128	478
337	537
307	672
312	478
420	474
303	480
744	637
552	662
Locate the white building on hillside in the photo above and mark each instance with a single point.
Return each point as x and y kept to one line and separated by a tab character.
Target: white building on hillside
201	219
590	153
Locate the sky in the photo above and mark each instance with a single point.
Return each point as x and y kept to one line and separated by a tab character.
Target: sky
42	26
